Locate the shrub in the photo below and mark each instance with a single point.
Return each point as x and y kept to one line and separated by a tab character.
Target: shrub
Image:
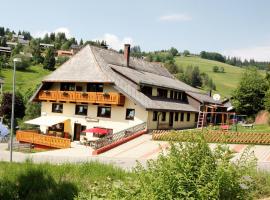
192	171
23	64
215	69
60	60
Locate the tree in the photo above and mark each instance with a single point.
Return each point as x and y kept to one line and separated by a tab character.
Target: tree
6	104
173	51
23	64
36	51
49	60
81	42
248	98
267	101
196	80
186	53
188	75
2	31
171	66
215	69
221	69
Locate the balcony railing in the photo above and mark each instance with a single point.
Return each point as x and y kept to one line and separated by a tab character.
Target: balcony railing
34	137
82	97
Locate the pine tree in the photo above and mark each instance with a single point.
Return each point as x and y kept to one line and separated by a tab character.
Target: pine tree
49	60
81	42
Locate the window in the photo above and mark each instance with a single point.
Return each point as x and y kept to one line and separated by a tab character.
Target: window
171	94
79	88
180	96
176	116
81	110
184	97
162	93
175	95
188	117
163	116
130	113
155	115
94	87
104	112
57	107
146	90
67	86
182	116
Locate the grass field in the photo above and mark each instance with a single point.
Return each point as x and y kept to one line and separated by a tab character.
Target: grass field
46	181
225	82
24	79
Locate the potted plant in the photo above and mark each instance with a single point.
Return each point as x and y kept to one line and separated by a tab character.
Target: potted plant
65	93
106	94
84	94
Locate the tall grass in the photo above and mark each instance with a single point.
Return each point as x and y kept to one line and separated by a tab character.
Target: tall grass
46	181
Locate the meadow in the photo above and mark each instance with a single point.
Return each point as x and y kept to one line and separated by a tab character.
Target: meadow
225	82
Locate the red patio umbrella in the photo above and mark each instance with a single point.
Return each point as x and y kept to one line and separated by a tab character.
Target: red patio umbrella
99	131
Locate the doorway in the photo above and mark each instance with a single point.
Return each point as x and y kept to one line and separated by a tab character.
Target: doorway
77	132
171	119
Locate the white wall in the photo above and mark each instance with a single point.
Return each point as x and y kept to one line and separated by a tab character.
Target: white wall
176	124
117	121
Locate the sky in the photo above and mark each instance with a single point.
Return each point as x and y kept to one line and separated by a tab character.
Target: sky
231	27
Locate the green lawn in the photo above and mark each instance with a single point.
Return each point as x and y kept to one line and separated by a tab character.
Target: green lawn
24	79
225	82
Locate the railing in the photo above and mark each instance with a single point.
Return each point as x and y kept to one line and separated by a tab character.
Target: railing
82	97
109	139
35	138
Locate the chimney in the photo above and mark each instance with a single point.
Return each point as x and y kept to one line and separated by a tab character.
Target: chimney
210	93
127	54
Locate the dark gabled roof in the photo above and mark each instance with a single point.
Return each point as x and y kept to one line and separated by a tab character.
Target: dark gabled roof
80	68
147	78
114	58
93	64
203	98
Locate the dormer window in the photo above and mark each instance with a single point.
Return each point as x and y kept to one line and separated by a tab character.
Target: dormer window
162	93
146	90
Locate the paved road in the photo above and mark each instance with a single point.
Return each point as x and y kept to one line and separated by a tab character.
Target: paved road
125	156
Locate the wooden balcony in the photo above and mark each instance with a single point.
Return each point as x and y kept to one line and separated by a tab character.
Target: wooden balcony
34	137
82	97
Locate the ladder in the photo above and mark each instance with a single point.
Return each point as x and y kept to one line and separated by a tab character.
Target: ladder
200	121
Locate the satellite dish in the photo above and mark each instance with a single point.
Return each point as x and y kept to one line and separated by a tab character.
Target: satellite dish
216	97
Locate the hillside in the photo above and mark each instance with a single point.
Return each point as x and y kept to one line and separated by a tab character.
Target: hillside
24	79
225	82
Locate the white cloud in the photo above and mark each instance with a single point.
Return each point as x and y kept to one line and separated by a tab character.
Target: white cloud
175	18
114	41
58	30
259	53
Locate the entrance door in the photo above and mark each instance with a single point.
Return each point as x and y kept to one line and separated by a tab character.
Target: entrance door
77	131
171	119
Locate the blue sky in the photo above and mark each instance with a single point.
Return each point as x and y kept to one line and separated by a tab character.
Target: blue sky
232	27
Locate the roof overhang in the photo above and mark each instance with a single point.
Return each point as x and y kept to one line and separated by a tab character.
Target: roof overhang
47	120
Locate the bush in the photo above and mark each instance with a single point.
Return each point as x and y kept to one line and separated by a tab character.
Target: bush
192	171
24	64
60	60
215	69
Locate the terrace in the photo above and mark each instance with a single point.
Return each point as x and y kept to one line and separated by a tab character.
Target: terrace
112	98
34	137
